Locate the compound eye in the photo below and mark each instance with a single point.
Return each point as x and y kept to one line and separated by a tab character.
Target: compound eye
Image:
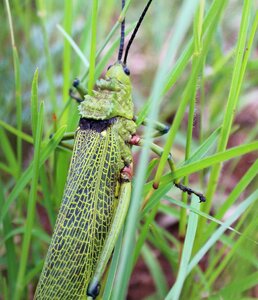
109	67
127	71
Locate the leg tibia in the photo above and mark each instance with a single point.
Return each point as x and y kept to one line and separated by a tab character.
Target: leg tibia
160	127
158	150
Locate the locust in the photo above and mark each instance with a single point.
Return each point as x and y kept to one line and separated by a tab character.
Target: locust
98	188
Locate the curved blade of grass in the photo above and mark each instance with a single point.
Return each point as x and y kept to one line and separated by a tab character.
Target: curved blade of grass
187	251
238	189
201	214
242	207
210	160
156	271
40	234
237	287
17	132
33	272
204	148
27	175
239	248
74	46
6	169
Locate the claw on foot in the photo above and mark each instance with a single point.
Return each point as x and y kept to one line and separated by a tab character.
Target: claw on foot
190	191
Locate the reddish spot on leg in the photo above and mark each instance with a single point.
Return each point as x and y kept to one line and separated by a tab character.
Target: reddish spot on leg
155	185
135	140
127	172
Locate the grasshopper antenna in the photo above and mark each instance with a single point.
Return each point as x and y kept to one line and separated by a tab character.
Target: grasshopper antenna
135	31
122	39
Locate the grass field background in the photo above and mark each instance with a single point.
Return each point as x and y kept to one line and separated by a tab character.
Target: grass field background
194	66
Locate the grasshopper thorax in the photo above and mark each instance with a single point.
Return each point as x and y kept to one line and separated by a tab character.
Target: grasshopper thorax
119	72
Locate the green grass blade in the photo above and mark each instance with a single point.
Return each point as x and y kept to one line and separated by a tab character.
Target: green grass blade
93	45
8	153
27	175
231	199
75	47
31	207
113	268
156	271
16	64
186	254
17	132
237	79
210	160
218	233
68	18
204	147
11	259
34	103
47	196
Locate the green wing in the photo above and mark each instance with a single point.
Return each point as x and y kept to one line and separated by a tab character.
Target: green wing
85	216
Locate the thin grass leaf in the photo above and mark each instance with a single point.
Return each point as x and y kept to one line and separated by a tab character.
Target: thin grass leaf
236	192
210	160
31	207
204	148
175	292
47	196
16	132
75	47
8	153
27	175
156	271
11	258
239	248
113	268
34	103
217	234
238	287
91	81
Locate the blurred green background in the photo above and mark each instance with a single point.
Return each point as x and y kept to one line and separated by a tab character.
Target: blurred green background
206	70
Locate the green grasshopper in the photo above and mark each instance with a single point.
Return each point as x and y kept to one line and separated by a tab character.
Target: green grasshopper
98	188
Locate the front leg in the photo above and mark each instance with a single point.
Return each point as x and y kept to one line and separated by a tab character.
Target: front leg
160	127
80	89
137	141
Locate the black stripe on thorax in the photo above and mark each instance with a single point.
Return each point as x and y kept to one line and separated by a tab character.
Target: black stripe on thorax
96	125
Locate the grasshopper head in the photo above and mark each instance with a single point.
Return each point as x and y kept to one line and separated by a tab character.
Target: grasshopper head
119	72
